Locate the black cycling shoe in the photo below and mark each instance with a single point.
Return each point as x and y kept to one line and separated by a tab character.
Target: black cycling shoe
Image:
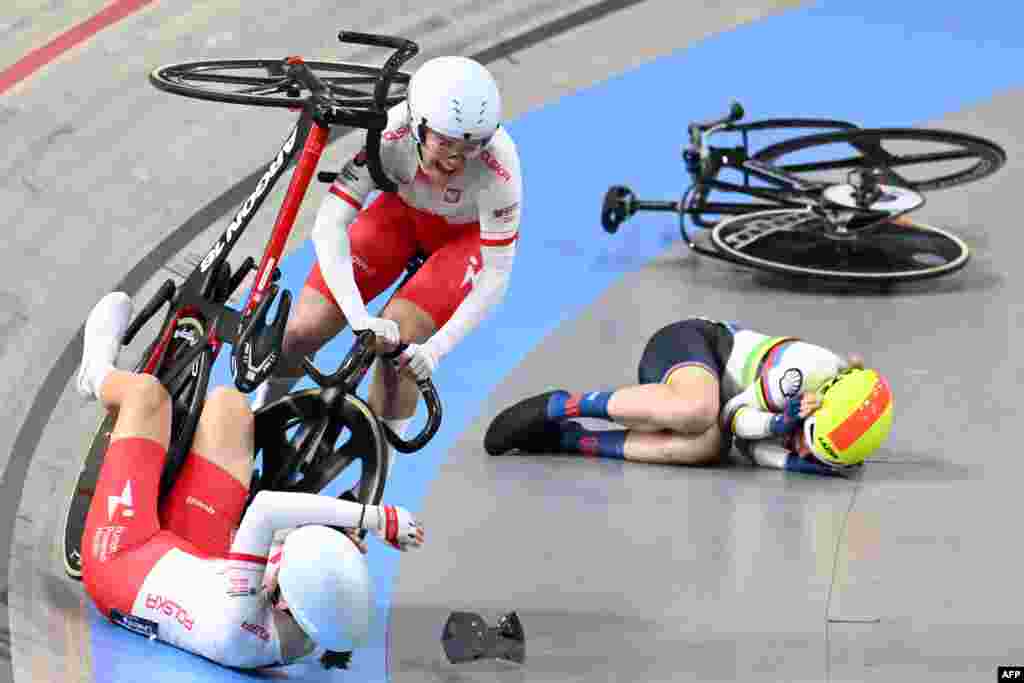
524	427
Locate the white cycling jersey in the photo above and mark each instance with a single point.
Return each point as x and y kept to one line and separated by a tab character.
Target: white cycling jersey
763	372
217	607
761	375
488	191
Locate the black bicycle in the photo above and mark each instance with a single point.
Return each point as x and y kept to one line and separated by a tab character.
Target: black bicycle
831	204
298	436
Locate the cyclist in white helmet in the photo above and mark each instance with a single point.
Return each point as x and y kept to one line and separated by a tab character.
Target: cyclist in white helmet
191	570
703	383
458	202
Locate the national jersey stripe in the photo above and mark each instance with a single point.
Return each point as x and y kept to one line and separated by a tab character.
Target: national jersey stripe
243	557
499	242
338	192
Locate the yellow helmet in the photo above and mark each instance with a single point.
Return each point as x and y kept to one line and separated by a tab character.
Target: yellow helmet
854	418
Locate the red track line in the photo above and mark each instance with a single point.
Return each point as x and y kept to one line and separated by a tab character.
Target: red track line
35	60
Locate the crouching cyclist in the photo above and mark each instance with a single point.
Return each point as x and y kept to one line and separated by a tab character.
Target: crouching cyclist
193	571
788	404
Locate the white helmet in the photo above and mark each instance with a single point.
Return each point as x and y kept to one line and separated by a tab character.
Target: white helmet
326	581
457	97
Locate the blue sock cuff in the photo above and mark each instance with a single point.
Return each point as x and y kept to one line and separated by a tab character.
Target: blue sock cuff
600	444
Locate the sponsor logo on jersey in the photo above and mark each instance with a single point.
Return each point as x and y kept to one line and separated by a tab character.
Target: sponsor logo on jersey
452	195
495	165
145	627
397	134
192	500
791	382
507	214
472	272
257	630
170	608
125	499
362	265
106	542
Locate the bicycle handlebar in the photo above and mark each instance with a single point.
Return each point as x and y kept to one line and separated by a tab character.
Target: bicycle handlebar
351	372
698	129
404	51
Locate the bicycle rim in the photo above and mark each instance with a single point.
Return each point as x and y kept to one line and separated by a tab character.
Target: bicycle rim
793	242
262	82
916	158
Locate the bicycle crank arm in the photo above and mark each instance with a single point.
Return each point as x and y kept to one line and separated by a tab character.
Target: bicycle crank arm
162	296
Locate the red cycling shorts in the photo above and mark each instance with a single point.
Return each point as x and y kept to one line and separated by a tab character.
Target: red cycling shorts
386	234
126	535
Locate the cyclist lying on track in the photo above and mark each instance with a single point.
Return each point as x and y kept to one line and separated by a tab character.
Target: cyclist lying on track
458	203
790	405
194	571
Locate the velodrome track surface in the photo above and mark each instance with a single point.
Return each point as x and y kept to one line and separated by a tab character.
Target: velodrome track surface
620	572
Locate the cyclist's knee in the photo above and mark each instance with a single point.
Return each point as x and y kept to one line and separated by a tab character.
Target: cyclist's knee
704	449
693	416
414	324
311	324
226	404
149	393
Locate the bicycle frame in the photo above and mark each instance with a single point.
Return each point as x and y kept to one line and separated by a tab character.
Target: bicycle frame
704	163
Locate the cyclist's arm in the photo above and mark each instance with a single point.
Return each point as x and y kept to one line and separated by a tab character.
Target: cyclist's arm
333	252
772	453
499	231
743	417
274	510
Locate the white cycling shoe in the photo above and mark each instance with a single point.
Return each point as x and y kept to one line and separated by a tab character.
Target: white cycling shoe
104	328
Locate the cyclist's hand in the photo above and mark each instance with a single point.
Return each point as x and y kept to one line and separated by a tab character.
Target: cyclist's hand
419	360
809	402
383	329
399	528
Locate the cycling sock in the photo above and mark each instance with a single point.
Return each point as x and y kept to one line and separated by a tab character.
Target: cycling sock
564	405
607	443
399	425
271	390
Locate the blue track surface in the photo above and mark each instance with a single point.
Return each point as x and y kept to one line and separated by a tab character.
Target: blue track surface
871	62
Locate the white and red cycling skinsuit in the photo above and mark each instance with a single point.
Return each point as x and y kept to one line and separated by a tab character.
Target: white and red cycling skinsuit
468	229
190	573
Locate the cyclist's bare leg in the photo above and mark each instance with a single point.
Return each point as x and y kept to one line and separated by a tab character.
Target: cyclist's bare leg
674	423
312	323
394	396
141	403
671	448
687	404
225	434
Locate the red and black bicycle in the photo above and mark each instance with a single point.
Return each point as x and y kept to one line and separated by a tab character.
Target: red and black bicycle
306	439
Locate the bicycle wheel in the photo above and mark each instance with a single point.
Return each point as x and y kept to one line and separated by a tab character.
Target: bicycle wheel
915	158
266	83
304	449
796	242
187	401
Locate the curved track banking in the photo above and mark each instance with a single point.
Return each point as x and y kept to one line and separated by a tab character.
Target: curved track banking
767	576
